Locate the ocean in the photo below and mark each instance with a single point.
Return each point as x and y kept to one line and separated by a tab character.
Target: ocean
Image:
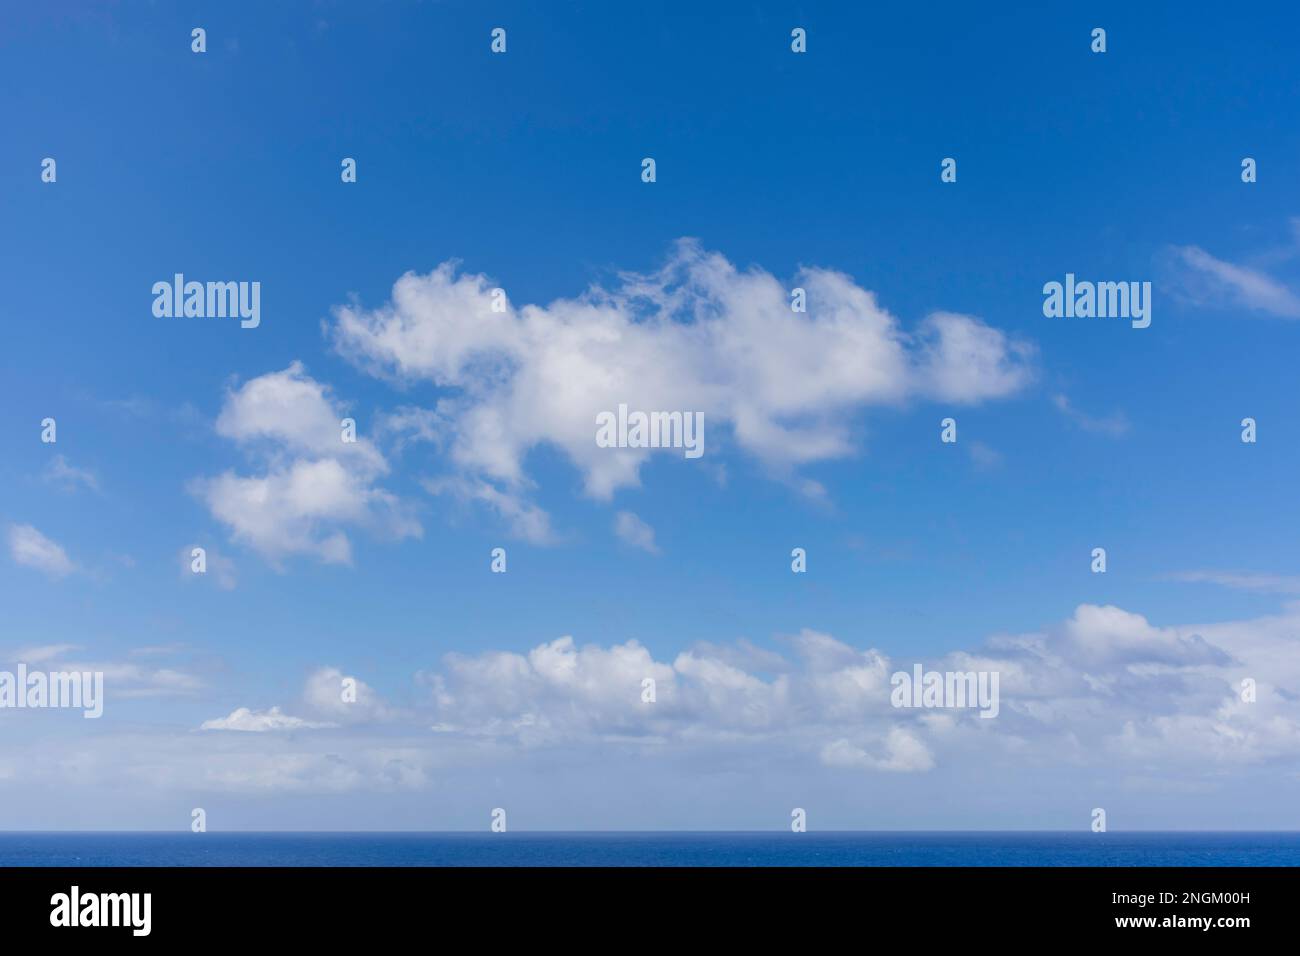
1020	848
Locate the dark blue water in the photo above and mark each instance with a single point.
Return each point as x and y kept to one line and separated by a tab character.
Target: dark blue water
650	849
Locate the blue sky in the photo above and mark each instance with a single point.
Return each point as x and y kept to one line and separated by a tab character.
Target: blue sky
525	167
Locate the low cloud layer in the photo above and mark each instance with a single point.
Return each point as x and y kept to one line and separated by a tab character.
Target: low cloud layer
250	721
1104	688
1103	708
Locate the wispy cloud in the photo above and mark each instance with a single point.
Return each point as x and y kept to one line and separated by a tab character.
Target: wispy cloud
524	519
1207	280
124	679
984	457
1241	580
1116	425
43	653
68	477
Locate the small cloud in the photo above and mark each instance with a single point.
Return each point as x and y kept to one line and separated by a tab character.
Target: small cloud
814	491
904	753
253	721
632	531
30	548
220	568
311	482
984	457
409	424
324	696
1115	426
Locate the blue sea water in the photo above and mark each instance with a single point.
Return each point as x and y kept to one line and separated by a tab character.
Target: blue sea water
651	849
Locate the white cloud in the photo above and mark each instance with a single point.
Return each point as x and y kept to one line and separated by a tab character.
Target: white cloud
634	532
1103	697
561	692
122	680
324	695
960	359
984	457
698	335
409	424
1112	635
524	519
252	721
294	414
555	690
313	484
219	567
1104	675
30	548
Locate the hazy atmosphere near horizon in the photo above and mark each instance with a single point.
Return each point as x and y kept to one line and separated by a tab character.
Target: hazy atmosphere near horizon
339	338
